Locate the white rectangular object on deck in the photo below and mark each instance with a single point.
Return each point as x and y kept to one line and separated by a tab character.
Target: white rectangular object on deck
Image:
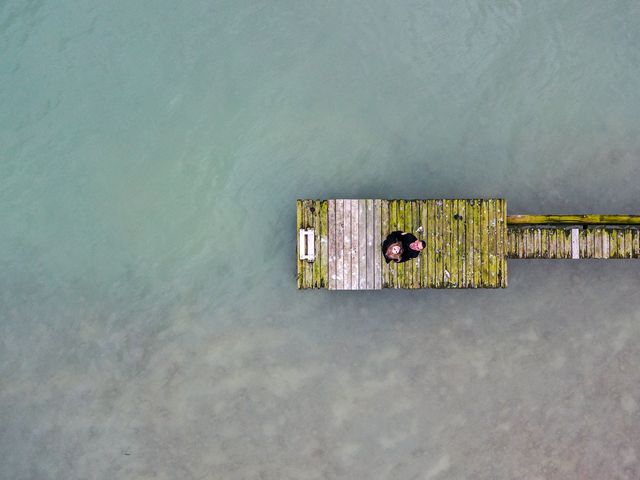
307	245
575	243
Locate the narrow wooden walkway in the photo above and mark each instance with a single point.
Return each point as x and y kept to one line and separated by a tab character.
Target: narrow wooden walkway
588	241
466	243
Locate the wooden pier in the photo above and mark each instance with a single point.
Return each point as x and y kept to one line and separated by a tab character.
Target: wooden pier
574	242
468	242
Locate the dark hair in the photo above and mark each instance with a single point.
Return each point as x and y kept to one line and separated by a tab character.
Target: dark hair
424	244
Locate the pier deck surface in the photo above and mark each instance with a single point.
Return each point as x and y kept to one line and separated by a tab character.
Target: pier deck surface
466	243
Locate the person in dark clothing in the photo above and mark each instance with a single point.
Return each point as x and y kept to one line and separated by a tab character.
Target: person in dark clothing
401	246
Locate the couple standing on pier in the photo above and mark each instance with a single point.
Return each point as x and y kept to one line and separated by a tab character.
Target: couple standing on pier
401	246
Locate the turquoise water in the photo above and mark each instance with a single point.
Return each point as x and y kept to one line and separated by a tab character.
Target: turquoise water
150	158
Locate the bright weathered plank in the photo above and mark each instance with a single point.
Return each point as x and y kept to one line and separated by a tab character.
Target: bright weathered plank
377	242
331	240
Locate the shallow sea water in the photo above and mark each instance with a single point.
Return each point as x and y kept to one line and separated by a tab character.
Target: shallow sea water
150	158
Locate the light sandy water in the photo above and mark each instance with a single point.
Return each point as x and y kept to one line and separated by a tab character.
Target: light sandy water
150	158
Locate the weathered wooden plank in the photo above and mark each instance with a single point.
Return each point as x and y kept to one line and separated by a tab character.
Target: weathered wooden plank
568	242
462	247
606	252
544	243
505	265
468	228
355	243
453	242
621	246
597	242
315	211
324	242
370	246
492	243
512	244
384	226
538	243
331	218
477	243
628	243
393	226
495	281
460	237
582	242
347	244
437	243
613	243
362	244
636	243
424	222
405	226
315	266
575	243
340	244
431	243
415	220
445	239
485	242
446	242
553	239
620	241
588	251
501	208
400	222
377	241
